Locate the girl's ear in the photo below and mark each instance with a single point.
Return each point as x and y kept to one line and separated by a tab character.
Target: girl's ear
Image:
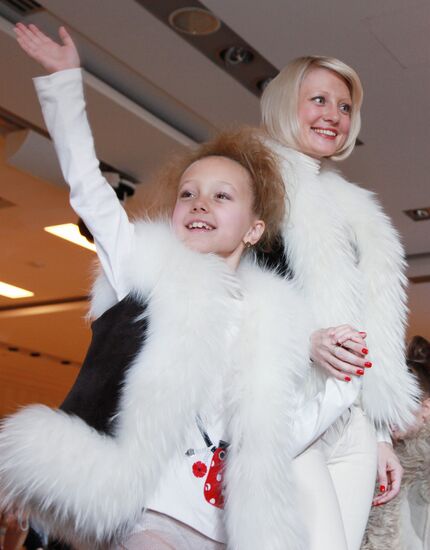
255	232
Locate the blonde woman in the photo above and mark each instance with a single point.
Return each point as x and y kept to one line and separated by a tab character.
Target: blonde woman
346	259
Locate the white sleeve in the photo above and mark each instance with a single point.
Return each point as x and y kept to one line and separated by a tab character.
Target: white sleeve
383	436
63	105
315	416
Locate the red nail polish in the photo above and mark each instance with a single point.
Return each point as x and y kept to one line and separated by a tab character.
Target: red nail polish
382	488
364	351
368	364
362	333
347	379
360	371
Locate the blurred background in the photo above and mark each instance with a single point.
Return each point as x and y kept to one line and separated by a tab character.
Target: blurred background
162	76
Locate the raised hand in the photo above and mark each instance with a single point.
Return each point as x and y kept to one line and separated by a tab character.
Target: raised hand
52	56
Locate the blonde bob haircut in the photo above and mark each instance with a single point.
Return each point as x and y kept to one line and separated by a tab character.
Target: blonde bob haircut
279	103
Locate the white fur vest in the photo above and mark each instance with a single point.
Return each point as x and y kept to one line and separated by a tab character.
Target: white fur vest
90	487
348	263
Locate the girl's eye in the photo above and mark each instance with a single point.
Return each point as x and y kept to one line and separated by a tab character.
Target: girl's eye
346	108
185	194
223	196
319	100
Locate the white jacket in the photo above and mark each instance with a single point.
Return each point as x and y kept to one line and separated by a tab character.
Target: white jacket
348	263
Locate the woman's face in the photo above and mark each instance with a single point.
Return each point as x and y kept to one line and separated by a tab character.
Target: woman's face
213	211
324	113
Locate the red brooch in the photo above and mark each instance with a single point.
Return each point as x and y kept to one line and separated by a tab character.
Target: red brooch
199	469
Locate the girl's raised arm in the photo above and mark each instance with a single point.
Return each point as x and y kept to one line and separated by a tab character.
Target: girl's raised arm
63	105
52	56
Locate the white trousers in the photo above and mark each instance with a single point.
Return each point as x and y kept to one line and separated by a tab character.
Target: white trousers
161	532
336	480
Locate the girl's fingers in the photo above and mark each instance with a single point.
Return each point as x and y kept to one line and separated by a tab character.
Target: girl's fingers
27	33
65	36
25	45
37	32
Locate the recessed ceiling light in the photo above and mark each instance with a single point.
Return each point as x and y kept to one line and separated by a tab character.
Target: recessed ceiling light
235	55
11	291
195	21
264	82
70	232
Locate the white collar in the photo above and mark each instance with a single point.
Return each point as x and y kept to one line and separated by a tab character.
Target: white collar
312	163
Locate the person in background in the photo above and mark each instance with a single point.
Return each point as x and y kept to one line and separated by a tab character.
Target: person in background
404	523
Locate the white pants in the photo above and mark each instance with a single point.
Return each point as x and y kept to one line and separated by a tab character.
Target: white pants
161	532
336	479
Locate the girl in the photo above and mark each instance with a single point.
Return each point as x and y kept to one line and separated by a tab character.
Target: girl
197	357
346	259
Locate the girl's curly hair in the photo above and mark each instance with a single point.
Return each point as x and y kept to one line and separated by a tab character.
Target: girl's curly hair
244	146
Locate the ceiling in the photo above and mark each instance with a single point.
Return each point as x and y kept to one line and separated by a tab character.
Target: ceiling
151	93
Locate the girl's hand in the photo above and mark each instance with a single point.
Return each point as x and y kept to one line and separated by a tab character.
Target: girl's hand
341	351
52	56
390	473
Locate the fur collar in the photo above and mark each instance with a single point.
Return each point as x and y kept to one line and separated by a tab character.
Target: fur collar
204	322
349	265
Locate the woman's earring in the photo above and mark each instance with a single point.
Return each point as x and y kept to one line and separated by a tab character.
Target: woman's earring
247	244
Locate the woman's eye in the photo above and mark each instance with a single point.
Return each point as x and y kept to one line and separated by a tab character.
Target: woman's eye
319	100
346	108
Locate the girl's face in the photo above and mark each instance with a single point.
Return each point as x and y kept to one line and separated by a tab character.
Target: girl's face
213	210
324	113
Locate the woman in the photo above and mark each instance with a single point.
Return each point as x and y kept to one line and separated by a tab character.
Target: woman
404	524
346	258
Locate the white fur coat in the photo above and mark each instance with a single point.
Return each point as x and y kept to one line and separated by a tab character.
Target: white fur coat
348	263
88	487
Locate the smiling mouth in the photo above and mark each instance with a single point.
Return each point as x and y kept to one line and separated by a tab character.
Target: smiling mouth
325	132
200	225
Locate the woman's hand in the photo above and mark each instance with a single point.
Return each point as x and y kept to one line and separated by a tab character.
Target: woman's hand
341	351
390	473
52	56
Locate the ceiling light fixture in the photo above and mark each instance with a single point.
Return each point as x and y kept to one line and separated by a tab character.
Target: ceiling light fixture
70	232
195	21
14	292
264	82
235	55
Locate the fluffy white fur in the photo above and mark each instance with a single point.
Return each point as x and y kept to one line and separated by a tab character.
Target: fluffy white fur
349	265
262	397
90	487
